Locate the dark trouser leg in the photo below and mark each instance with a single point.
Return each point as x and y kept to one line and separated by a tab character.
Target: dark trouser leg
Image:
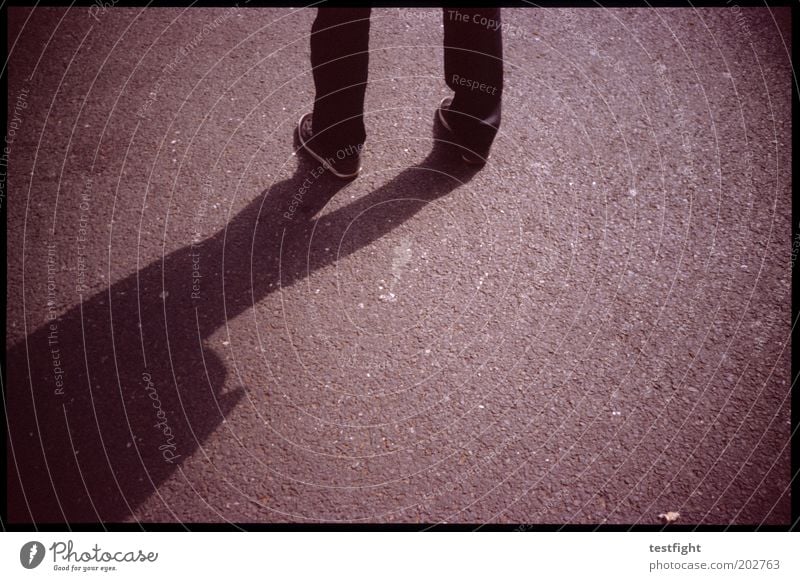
340	58
473	68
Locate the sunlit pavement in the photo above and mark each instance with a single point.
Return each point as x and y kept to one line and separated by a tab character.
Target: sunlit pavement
592	329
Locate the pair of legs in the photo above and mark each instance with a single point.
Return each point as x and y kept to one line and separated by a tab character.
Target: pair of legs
473	65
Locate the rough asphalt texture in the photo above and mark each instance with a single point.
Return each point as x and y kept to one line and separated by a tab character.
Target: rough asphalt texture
592	329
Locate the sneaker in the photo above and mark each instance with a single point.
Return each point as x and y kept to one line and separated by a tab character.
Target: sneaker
469	157
344	163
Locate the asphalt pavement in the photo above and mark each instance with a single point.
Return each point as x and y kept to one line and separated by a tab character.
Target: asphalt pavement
594	328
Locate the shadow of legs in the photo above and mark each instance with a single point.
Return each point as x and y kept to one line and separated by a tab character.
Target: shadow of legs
138	390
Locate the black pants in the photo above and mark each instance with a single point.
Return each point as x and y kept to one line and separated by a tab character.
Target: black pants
473	68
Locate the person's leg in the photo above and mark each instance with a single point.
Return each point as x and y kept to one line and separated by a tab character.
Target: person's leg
340	58
473	68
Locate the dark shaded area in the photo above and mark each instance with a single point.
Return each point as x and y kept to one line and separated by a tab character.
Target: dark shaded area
101	449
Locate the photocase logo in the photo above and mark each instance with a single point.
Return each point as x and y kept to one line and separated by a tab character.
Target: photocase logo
31	554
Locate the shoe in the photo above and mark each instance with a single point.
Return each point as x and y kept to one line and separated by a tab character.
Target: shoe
344	163
468	157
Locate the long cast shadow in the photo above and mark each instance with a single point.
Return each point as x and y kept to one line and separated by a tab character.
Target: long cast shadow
141	391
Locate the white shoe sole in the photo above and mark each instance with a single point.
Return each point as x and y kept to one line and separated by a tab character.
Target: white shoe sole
319	158
441	115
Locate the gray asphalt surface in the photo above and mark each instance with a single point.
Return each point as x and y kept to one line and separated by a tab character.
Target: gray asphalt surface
592	329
